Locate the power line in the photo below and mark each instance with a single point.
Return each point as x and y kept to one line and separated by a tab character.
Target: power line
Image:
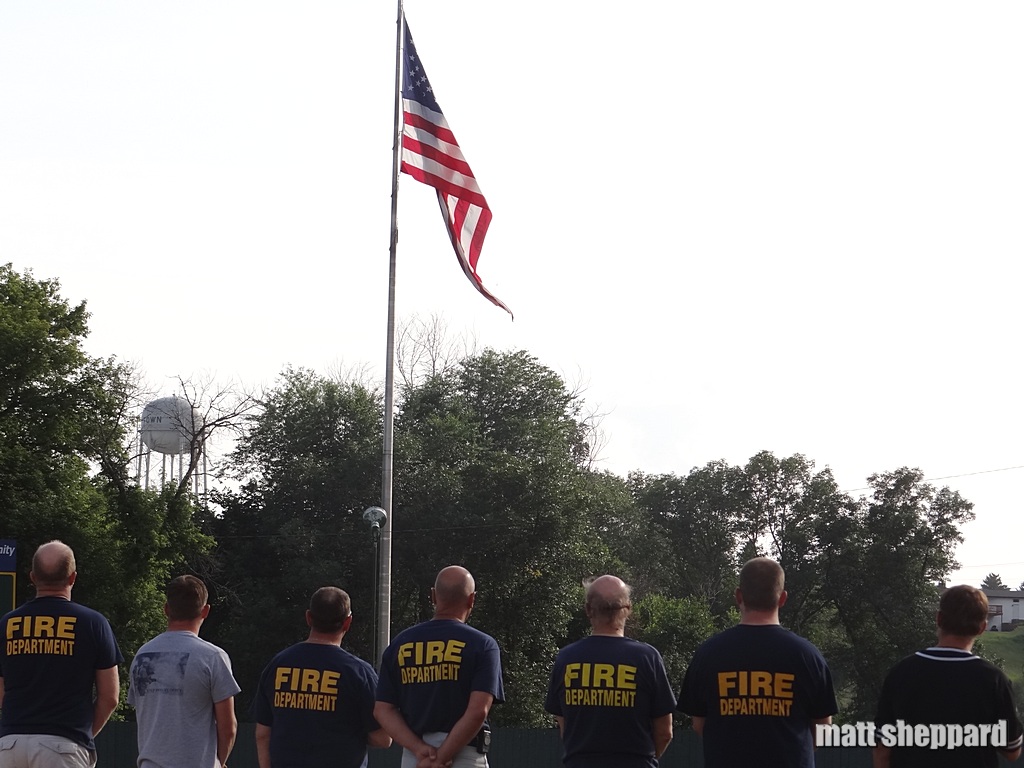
950	477
989	565
323	534
969	474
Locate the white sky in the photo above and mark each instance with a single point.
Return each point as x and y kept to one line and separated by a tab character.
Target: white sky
792	226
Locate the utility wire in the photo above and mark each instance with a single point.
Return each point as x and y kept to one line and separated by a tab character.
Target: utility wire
950	477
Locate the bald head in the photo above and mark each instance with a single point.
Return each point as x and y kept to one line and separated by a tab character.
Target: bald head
454	584
454	593
53	566
608	603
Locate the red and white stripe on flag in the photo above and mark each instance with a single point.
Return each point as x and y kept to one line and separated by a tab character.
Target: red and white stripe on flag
431	154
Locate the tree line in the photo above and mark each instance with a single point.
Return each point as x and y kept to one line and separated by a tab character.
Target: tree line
494	470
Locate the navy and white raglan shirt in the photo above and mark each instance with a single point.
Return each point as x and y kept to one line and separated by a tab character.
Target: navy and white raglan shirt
317	700
947	686
609	689
51	651
429	671
760	687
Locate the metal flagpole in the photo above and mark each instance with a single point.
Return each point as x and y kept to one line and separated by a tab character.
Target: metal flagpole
384	581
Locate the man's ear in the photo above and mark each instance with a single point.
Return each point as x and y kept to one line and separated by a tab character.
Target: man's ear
472	600
783	598
167	611
348	623
309	618
205	612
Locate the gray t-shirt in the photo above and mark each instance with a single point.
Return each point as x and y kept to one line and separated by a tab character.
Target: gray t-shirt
176	678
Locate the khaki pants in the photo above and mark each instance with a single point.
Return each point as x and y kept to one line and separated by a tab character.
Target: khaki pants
40	750
467	757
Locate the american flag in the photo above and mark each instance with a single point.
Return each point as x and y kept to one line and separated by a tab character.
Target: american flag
431	154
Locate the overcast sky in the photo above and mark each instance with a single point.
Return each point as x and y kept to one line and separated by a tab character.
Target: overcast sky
791	226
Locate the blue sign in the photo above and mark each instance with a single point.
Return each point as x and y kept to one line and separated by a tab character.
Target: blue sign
8	550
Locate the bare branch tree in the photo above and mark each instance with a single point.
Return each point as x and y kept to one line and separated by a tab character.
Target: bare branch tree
590	418
219	409
197	412
424	348
113	443
361	374
594	435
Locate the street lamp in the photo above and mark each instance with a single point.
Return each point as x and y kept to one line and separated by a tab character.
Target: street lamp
377	517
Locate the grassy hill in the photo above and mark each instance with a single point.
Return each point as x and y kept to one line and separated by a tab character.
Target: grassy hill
1006	646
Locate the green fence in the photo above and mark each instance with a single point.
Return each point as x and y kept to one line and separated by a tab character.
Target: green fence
510	747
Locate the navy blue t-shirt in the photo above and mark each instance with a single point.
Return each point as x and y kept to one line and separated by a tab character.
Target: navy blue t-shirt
609	689
760	687
430	669
50	650
317	700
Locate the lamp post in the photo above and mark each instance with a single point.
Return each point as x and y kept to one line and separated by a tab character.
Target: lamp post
377	517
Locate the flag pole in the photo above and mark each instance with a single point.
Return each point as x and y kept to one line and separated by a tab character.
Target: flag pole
387	465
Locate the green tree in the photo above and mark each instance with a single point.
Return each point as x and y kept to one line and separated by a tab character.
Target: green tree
673	625
783	506
46	414
694	518
880	562
489	457
639	551
306	468
860	574
993	581
490	475
66	420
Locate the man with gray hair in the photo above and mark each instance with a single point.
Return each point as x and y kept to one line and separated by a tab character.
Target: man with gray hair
314	704
610	694
53	652
756	690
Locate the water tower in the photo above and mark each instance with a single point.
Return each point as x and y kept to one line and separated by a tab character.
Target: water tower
171	427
